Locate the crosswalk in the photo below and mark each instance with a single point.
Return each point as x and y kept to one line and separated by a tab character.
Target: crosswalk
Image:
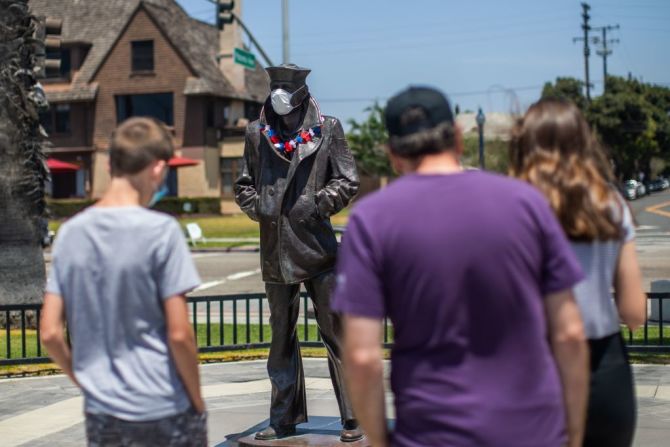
652	236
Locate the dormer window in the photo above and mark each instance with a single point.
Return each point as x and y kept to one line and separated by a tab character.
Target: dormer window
62	54
143	55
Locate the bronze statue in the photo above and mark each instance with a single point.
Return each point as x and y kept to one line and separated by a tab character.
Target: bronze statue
297	172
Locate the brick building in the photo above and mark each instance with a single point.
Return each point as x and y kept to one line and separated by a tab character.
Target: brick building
123	58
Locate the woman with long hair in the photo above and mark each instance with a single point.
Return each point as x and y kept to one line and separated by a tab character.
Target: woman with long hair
553	148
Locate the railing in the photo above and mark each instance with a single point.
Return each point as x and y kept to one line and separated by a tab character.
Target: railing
654	336
240	322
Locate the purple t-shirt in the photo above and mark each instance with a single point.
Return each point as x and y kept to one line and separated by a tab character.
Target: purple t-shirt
461	263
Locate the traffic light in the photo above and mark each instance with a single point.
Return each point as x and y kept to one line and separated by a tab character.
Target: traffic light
47	51
224	13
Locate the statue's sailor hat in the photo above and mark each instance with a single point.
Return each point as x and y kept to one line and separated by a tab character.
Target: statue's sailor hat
289	73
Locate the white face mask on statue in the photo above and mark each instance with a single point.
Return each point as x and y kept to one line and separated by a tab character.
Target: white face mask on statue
281	101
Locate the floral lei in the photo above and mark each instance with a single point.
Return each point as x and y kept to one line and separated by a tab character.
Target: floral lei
288	146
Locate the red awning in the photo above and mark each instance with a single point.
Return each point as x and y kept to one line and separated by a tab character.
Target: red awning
178	162
57	166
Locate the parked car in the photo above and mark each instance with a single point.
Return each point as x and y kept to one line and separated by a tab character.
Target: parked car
656	185
629	189
641	189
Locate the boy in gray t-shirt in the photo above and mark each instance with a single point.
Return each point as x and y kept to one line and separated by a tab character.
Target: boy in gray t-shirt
119	275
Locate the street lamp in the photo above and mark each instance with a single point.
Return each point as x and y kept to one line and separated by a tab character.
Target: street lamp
481	119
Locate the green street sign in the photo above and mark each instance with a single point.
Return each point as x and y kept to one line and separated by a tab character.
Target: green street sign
244	58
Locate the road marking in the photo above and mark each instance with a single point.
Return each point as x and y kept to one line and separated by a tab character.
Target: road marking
233	277
646	227
656	209
209	285
204	255
241	275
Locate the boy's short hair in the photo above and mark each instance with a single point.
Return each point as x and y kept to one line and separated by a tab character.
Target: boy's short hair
136	143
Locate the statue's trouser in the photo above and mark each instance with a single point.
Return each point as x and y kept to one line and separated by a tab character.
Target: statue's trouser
289	404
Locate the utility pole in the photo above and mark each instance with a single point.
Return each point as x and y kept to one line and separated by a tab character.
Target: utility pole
286	58
604	50
587	51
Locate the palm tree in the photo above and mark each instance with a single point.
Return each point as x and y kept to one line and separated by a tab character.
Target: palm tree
23	170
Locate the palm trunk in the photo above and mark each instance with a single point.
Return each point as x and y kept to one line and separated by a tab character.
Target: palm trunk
22	167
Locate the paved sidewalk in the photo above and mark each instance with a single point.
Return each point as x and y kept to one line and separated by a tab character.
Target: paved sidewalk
46	411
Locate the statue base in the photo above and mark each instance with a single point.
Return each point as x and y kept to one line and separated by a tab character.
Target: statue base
320	431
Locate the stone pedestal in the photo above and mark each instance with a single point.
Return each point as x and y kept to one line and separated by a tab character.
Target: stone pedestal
320	431
304	439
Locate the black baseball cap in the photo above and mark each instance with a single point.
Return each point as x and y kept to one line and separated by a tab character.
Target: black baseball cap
432	102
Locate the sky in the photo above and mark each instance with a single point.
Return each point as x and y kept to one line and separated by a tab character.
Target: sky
494	54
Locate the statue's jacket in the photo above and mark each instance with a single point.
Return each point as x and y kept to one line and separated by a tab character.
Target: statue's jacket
293	199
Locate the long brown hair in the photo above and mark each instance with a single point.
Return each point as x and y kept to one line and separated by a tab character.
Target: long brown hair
553	148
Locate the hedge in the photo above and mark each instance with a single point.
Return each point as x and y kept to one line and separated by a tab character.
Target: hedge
189	205
64	208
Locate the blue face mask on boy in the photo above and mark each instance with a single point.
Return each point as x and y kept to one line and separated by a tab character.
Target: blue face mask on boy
159	194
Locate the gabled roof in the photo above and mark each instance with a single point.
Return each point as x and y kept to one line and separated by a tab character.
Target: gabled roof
100	23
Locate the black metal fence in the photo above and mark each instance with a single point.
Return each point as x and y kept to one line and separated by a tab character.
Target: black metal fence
241	322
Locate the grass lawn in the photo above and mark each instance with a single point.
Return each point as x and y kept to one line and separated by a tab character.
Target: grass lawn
254	336
215	333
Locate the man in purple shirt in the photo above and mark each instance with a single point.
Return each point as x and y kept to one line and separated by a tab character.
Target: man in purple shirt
475	274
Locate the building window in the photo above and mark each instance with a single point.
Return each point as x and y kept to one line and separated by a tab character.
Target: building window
143	55
210	117
157	105
56	121
229	172
63	54
172	182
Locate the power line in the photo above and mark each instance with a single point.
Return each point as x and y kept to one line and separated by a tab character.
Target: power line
432	43
505	90
466	26
428	37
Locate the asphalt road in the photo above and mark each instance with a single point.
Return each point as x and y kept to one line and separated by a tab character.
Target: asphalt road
658	216
230	273
239	272
652	214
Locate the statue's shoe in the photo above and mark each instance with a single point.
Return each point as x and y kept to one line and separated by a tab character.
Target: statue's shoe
351	434
270	433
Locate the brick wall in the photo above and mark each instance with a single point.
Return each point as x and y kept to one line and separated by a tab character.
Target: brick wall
81	125
115	77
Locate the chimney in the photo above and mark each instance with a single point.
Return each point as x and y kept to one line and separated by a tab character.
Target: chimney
229	39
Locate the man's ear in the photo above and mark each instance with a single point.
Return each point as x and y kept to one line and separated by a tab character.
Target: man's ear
396	162
459	146
158	168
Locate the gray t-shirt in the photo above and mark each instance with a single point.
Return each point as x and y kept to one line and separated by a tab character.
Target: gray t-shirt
114	267
599	261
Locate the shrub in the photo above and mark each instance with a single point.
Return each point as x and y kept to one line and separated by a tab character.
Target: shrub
189	205
64	208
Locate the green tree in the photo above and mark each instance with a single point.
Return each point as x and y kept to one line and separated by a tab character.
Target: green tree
367	141
566	88
632	120
496	154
